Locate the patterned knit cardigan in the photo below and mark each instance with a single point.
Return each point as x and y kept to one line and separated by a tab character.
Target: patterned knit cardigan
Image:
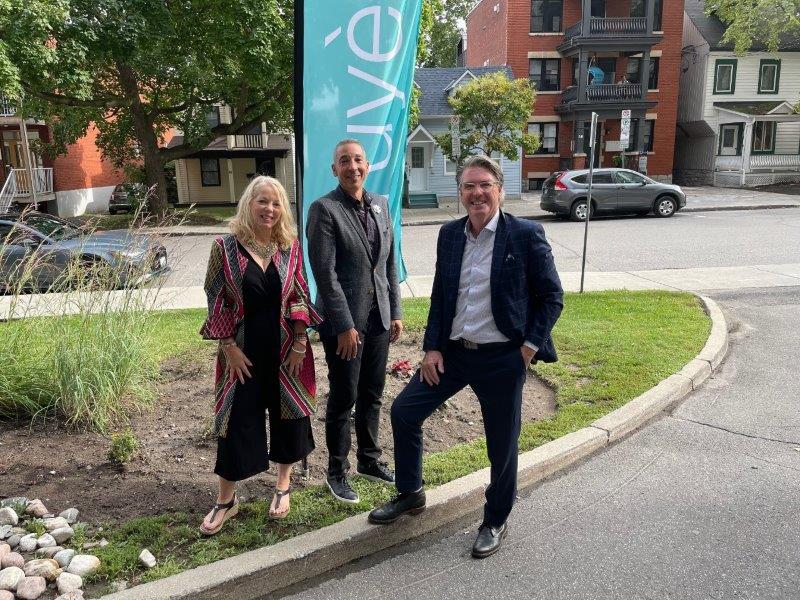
223	288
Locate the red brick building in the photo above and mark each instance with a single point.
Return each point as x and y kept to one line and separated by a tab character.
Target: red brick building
587	56
77	182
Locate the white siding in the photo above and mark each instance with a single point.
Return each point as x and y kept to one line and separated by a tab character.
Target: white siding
692	82
445	184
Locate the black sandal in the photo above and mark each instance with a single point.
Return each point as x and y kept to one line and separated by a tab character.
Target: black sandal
278	497
231	509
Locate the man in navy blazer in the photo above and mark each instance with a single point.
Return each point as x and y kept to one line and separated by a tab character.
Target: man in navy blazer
496	297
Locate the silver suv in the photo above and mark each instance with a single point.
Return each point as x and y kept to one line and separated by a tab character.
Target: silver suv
618	191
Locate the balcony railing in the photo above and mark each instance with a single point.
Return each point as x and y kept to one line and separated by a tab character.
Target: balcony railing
609	26
42	181
7	107
248	140
606	92
728	163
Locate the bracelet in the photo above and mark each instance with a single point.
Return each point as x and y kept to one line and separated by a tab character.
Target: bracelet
227	344
301	336
297	351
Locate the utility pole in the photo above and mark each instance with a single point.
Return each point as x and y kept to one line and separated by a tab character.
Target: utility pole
23	131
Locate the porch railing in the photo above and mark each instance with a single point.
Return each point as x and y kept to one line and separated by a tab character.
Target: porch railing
42	181
608	26
7	107
606	92
8	192
775	161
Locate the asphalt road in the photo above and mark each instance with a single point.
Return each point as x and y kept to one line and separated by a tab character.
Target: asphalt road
700	504
708	239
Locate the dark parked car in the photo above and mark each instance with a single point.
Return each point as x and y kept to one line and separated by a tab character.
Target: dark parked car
127	197
618	191
42	252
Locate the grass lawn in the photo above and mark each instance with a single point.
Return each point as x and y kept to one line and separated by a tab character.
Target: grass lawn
612	347
182	215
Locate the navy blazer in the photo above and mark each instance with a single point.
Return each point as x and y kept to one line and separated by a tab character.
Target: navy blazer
527	297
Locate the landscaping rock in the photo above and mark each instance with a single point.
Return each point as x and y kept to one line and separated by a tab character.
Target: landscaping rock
13	541
76	595
48	551
119	586
63	557
67	582
8	516
147	559
12	501
71	515
5	531
83	565
4	549
6	595
62	534
42	567
10	577
36	508
31	588
46	541
28	543
14	559
54	523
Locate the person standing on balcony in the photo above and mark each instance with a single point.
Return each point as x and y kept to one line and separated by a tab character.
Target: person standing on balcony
351	251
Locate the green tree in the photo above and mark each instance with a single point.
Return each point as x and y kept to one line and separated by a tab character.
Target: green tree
441	48
137	69
756	21
492	112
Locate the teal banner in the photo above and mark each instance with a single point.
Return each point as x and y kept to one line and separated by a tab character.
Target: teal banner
358	69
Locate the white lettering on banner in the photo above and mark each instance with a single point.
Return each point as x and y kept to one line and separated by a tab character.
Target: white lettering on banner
375	55
332	36
383	130
394	92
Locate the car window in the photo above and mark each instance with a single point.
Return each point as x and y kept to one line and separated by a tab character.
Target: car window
602	178
11	234
629	177
51	227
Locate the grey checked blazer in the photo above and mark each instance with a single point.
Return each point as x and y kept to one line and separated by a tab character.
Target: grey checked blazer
340	260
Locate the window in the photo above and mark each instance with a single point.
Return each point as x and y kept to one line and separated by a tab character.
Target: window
725	76
764	137
212	116
417	157
598	8
635	65
730	139
647	142
769	75
630	177
545	74
597	177
450	167
209	171
609	68
535	184
545	15
548	137
639	9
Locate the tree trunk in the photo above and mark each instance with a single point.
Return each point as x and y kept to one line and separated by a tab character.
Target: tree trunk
148	142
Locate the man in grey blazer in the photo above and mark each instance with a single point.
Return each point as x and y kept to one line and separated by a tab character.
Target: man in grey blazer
351	252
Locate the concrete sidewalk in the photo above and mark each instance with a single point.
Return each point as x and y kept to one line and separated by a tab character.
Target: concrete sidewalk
699	199
691	279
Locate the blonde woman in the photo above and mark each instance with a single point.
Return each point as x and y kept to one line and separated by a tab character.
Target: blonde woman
258	309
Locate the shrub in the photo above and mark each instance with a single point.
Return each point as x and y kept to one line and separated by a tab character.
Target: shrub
123	445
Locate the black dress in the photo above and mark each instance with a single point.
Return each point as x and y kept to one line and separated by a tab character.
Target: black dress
244	452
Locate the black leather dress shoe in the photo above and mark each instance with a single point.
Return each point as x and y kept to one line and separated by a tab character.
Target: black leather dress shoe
412	503
489	540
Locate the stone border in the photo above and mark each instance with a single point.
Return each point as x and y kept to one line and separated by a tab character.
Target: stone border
258	572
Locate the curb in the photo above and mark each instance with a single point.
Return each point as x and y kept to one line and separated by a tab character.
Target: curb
257	573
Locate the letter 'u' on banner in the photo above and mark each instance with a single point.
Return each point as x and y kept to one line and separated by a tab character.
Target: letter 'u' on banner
358	69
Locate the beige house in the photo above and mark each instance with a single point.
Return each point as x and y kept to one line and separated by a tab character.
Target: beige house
219	173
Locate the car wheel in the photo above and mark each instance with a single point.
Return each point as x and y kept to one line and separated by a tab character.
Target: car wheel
665	207
578	210
112	211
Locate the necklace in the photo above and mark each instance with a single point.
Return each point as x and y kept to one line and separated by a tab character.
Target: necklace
265	251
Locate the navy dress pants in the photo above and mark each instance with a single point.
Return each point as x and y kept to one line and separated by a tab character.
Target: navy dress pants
496	375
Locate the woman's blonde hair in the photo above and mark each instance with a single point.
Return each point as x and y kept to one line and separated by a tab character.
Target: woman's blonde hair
242	226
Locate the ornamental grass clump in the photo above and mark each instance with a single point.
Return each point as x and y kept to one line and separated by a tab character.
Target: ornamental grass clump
88	363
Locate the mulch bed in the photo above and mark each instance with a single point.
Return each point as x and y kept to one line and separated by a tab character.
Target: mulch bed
173	468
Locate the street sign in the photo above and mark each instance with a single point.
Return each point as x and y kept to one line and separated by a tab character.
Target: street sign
455	136
625	130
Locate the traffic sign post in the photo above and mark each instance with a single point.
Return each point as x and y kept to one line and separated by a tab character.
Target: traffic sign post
625	130
590	177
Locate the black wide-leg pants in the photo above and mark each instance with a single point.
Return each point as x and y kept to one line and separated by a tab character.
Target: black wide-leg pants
496	375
